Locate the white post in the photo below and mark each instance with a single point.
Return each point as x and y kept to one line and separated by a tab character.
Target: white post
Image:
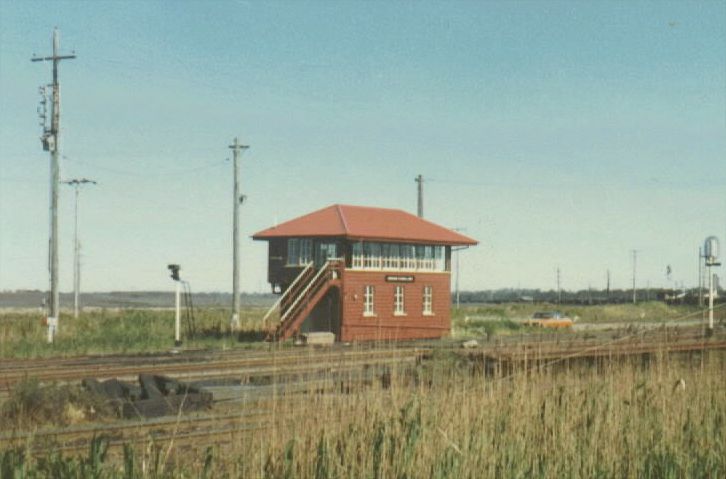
710	299
177	323
76	260
457	279
52	327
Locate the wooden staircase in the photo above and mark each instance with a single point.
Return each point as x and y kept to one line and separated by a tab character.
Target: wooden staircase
299	299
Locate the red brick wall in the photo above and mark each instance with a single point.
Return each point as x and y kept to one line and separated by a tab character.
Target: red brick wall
385	325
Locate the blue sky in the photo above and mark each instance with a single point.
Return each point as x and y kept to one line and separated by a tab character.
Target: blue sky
556	133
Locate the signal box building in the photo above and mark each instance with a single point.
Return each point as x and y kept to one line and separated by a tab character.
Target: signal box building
361	273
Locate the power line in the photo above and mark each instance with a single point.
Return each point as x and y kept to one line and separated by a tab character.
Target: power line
146	173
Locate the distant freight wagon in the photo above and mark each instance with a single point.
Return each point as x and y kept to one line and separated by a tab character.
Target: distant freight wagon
361	273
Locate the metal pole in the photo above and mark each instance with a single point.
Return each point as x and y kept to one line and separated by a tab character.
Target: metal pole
76	264
177	322
419	209
635	260
55	173
710	299
236	147
700	277
608	286
457	278
76	184
51	142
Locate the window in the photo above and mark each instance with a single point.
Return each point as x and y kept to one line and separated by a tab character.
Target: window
396	256
293	251
368	301
439	260
325	252
398	306
372	259
357	255
299	251
428	296
386	255
408	260
306	251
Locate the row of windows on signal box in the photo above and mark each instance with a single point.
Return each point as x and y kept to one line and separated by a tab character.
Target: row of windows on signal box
399	300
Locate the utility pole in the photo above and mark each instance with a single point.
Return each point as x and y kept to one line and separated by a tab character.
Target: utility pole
710	253
700	277
559	290
419	179
589	294
174	274
236	148
635	262
51	143
458	269
608	286
77	184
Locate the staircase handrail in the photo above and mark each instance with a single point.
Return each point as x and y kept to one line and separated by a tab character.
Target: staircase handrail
287	291
305	291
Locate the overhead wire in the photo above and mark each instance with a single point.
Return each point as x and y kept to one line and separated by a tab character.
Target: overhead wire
147	173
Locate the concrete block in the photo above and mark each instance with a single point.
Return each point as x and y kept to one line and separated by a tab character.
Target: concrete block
319	338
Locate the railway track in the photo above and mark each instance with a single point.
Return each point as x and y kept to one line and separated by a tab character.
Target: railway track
221	426
619	347
196	365
294	373
201	367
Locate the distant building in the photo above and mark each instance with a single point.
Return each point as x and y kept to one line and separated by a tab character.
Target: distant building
362	273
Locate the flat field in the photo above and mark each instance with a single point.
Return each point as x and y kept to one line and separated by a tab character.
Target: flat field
133	330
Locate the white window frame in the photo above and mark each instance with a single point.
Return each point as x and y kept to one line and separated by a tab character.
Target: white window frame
408	262
293	252
399	298
299	251
428	300
396	256
369	299
372	255
439	259
306	251
357	255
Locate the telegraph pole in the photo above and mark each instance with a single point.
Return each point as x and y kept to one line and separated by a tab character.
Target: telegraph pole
419	179
559	290
458	269
700	277
76	184
608	285
51	143
236	148
635	262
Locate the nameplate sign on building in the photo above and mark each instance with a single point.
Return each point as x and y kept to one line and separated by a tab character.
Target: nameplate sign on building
400	278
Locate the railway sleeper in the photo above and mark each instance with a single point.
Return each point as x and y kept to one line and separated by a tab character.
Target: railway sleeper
155	396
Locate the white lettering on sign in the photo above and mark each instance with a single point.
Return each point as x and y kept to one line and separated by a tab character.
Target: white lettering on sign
400	279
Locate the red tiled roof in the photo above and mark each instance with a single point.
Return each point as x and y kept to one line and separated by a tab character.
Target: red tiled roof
365	223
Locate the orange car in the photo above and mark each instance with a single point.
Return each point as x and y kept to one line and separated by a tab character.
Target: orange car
550	319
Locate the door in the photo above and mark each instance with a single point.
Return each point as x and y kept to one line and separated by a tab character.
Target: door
326	251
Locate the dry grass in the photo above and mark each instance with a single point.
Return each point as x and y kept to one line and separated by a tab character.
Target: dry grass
447	419
31	405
